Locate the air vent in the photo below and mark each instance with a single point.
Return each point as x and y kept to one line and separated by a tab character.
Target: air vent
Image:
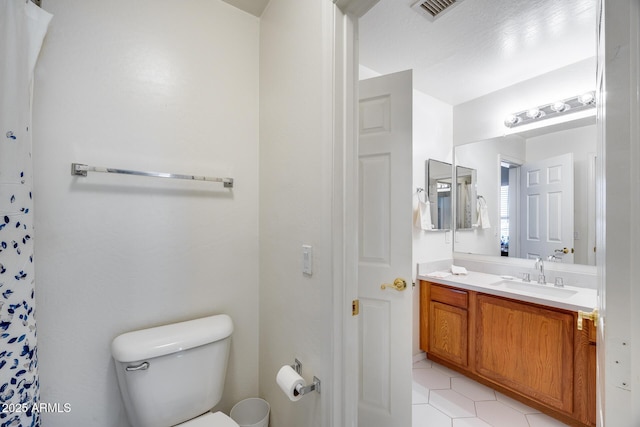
432	9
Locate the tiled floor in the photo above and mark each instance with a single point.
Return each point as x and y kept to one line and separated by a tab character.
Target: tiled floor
444	398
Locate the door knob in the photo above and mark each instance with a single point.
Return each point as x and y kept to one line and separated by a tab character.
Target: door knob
398	284
564	251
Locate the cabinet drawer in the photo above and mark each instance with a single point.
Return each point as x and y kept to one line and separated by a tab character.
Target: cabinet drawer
449	296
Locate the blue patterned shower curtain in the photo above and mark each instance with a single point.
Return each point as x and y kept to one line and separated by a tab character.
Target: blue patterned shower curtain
22	29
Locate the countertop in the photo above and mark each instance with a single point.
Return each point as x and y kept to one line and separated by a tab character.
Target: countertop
570	298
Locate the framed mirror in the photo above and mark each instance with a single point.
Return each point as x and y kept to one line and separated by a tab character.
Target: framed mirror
539	190
439	191
466	212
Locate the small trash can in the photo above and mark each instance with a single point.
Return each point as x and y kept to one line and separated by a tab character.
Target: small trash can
252	412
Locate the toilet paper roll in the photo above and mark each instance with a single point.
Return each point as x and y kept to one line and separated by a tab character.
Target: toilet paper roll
288	379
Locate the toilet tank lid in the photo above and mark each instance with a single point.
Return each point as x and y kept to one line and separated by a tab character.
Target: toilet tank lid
162	340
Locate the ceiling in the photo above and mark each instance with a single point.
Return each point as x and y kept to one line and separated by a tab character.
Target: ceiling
254	7
478	46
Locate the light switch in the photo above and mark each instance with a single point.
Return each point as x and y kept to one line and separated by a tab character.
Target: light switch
307	260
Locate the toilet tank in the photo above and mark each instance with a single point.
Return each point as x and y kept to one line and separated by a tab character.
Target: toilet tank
170	374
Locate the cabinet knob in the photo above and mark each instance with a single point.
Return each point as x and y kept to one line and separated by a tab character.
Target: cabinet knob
398	284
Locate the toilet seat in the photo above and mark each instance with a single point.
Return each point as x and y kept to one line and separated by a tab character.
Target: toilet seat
210	419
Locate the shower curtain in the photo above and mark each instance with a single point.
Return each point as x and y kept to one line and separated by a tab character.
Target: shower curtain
23	26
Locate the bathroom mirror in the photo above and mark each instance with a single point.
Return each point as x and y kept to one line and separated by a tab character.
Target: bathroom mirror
554	222
466	212
439	190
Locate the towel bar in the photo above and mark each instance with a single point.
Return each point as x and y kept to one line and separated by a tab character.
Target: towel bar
79	169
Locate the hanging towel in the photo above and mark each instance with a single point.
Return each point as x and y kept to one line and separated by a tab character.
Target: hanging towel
483	213
423	213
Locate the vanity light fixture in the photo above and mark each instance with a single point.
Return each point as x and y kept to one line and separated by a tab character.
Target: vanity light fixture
443	187
555	109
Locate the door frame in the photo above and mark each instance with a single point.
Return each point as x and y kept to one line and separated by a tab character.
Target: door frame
514	204
345	67
344	44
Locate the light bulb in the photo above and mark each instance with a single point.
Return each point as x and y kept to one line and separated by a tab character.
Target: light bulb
586	98
534	113
559	107
511	120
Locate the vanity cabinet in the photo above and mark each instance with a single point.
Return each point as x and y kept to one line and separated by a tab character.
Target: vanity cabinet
531	352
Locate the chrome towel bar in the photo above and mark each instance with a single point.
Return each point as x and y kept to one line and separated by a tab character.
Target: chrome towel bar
78	169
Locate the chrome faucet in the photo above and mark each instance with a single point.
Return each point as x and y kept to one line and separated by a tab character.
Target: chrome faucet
540	267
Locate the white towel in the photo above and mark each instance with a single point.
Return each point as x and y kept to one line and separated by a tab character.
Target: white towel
439	274
483	214
458	270
423	214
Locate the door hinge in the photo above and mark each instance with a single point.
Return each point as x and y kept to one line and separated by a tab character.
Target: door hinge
355	307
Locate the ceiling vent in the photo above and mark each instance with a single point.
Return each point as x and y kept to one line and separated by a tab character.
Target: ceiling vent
432	9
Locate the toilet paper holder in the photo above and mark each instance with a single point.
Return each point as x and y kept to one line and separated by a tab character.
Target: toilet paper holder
302	390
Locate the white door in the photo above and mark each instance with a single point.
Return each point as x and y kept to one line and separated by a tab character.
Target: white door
546	197
385	248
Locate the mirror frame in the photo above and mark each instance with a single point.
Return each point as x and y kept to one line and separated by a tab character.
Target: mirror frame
432	193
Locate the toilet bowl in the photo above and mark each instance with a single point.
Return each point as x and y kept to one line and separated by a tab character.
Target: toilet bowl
174	374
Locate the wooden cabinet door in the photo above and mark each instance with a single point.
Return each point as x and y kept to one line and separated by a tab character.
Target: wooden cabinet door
526	348
448	332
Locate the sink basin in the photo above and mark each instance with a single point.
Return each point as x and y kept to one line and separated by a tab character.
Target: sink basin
536	288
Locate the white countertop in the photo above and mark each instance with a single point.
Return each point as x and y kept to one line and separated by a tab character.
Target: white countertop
571	298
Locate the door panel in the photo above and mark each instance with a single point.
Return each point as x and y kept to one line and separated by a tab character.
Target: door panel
547	198
374	235
385	245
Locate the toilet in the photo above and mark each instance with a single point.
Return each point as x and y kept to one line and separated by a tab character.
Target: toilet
173	375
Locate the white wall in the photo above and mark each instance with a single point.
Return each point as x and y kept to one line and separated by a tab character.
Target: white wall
149	85
432	136
366	72
296	183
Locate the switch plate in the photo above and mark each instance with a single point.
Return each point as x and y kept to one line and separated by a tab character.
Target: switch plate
307	260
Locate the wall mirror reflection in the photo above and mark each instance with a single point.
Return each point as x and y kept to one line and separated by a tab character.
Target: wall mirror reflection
540	193
466	211
439	190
